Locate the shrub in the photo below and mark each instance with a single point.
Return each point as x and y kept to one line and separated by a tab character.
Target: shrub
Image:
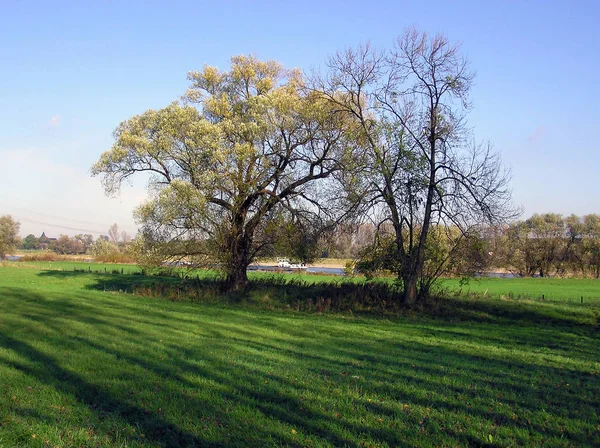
115	257
45	256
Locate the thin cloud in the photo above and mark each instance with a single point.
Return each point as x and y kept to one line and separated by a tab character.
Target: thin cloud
54	121
538	133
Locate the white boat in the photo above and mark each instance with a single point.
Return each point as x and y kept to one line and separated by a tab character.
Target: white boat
285	264
297	266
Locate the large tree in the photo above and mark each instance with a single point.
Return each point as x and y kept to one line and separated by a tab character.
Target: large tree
420	165
9	235
250	147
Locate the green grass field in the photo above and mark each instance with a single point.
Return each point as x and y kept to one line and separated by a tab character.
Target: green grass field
84	367
569	289
563	289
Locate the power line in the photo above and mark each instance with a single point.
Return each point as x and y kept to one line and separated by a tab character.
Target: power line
77	227
19	218
77	221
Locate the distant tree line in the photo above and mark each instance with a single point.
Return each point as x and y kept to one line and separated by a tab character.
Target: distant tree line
549	245
543	245
116	242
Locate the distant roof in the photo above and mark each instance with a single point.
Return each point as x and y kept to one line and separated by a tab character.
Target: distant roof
43	236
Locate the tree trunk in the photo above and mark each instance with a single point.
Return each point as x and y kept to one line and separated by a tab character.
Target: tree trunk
410	289
237	277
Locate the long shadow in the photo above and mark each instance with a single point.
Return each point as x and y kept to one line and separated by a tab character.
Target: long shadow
37	308
423	359
46	370
288	409
271	401
250	391
156	429
344	296
524	318
424	355
247	386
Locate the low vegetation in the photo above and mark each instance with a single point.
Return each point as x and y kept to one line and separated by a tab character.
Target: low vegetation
81	366
44	256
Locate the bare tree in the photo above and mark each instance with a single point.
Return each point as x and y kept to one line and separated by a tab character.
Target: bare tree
420	165
113	233
125	237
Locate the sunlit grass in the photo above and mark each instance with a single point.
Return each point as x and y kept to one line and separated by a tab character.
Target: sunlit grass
549	288
80	366
571	289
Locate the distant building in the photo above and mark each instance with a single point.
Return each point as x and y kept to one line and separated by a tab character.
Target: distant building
44	241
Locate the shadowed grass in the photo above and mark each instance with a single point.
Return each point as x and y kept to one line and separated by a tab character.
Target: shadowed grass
563	289
80	366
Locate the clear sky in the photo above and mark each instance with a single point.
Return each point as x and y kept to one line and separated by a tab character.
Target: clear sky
71	71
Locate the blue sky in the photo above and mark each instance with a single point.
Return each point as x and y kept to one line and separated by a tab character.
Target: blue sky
71	71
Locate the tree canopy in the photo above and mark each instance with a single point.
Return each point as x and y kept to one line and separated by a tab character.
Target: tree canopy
420	166
247	148
9	235
258	153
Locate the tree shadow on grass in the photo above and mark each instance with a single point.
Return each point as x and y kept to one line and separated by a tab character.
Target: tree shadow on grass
238	362
103	402
46	370
118	402
372	300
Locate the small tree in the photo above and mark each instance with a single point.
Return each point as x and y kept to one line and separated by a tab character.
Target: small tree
298	240
66	245
63	245
9	235
113	233
104	248
85	242
30	242
449	251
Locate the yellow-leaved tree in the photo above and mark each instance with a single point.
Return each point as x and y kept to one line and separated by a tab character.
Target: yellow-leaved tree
247	147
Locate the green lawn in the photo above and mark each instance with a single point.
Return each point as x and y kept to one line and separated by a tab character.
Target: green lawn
84	367
569	289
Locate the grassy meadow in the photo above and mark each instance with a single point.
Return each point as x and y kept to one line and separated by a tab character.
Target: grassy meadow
562	289
83	364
